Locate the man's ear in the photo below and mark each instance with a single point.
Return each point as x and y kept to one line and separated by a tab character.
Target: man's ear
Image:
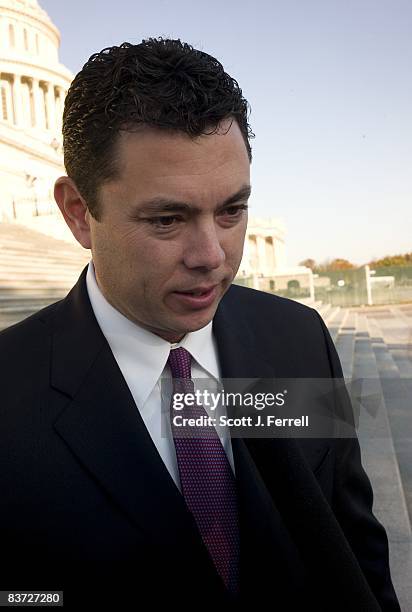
74	210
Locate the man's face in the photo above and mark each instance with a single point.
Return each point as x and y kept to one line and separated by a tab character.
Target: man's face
145	255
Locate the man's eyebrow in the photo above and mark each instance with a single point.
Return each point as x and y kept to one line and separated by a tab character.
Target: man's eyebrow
166	204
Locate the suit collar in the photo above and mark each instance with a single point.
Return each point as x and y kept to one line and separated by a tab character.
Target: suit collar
141	354
239	348
77	340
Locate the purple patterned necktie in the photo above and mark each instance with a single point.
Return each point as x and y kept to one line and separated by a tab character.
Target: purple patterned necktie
206	477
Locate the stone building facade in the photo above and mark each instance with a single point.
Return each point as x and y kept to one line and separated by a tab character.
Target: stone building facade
33	86
264	250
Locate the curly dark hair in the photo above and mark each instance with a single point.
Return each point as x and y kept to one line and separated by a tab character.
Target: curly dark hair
161	83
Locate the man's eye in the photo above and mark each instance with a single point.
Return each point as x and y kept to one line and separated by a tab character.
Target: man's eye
235	211
163	221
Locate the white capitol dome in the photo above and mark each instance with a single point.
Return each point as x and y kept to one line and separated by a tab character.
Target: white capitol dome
33	85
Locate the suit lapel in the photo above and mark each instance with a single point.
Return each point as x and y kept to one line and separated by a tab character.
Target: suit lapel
275	478
239	354
100	423
266	545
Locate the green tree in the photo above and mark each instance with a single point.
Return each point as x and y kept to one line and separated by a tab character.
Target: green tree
392	260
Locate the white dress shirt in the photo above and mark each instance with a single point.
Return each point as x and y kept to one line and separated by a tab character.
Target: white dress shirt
142	358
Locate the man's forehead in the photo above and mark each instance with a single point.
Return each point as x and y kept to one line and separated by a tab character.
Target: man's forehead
171	146
164	169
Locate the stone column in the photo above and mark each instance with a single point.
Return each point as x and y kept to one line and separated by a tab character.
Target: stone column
279	253
17	101
261	254
270	254
244	265
311	286
255	281
38	104
51	107
59	106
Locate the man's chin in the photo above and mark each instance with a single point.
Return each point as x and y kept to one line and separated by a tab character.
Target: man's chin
195	325
194	322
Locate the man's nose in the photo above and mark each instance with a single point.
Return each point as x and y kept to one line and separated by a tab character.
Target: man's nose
203	248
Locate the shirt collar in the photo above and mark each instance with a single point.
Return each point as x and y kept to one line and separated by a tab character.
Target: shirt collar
138	350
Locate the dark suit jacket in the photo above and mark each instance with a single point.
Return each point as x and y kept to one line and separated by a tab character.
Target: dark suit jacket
88	507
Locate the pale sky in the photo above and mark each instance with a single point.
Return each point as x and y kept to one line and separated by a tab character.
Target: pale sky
330	88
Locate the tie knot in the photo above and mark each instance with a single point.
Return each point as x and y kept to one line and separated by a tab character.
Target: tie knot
180	363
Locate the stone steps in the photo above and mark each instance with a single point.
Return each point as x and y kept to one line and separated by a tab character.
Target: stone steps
323	309
332	315
380	398
21	241
15	309
397	393
35	282
19	261
400	346
35	270
345	343
377	414
337	322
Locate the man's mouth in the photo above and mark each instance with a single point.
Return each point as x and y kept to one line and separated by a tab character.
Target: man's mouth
197	291
198	297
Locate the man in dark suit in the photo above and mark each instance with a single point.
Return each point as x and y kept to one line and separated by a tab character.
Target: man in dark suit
95	500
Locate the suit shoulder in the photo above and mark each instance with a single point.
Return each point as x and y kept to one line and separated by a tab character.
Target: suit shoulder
28	329
276	325
25	350
253	298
